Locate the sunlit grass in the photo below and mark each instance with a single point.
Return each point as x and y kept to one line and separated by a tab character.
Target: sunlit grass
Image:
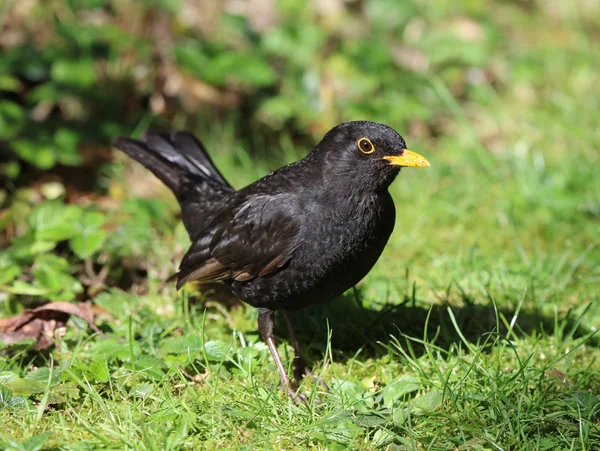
475	330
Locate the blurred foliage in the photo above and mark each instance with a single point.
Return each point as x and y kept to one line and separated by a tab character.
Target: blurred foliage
77	73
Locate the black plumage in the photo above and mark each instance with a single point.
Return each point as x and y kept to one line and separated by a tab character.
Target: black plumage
301	235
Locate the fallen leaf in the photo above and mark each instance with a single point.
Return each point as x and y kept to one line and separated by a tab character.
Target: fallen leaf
42	323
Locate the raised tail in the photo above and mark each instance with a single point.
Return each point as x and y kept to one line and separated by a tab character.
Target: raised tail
171	155
181	162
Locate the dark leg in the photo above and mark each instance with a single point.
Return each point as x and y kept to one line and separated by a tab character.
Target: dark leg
300	367
266	322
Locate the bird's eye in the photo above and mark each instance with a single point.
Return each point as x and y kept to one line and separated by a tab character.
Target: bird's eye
366	146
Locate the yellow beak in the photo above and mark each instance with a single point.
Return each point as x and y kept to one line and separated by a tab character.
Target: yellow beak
408	159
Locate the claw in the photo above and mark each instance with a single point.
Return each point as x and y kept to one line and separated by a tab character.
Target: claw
318	379
265	327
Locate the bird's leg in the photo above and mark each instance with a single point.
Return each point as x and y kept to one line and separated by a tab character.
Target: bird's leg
300	367
266	322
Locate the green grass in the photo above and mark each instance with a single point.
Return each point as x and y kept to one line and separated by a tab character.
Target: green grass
475	330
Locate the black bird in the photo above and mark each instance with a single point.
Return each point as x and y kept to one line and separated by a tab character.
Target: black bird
301	235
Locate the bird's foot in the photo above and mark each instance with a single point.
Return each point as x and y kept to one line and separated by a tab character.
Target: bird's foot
296	396
318	379
301	370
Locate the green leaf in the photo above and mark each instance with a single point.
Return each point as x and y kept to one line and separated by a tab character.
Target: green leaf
252	70
10	402
276	110
66	142
23	345
142	390
390	14
87	243
77	73
246	69
184	345
12	119
216	350
25	247
54	221
356	394
52	273
99	370
42	246
41	375
5	397
114	300
151	366
63	392
11	169
400	416
47	92
25	387
35	152
9	270
36	442
113	348
52	262
585	402
398	389
382	437
9	83
24	288
80	370
428	402
8	376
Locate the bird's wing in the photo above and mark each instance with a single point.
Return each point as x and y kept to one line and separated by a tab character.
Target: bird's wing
252	239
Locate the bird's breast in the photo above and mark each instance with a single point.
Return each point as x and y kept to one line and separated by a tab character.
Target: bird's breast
339	244
349	236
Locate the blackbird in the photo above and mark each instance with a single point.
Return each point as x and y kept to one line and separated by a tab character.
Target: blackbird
301	235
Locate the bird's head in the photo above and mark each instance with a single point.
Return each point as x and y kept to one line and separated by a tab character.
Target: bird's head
367	153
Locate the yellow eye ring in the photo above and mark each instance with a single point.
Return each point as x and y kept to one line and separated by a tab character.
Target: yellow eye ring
365	146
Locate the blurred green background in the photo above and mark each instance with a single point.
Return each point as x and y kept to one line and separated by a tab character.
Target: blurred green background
501	96
77	73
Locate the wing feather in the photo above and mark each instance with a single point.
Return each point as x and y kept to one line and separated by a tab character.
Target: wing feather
253	239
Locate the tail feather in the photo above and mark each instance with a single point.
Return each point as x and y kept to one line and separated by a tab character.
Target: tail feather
184	150
180	161
160	167
198	155
170	155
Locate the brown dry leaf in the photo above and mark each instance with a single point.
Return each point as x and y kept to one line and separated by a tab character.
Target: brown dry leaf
193	92
261	14
559	378
41	323
196	378
467	29
410	58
